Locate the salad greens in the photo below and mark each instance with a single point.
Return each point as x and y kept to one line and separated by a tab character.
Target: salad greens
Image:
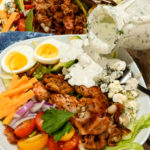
65	129
126	146
143	122
56	122
41	70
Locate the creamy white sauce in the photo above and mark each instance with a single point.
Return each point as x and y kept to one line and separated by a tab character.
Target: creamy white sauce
84	71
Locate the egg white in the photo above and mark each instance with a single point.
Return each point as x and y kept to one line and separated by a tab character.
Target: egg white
26	51
67	51
48	60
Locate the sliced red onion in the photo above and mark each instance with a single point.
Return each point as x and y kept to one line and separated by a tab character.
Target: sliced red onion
37	106
17	119
46	103
22	120
24	109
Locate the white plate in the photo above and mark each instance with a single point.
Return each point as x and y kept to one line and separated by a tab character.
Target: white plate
142	99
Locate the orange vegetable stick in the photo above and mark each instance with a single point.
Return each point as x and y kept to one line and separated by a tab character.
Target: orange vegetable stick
20	82
3	14
33	80
9	22
14	80
21	100
22	88
9	118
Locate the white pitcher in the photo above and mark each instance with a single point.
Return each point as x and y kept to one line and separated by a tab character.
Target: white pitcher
125	25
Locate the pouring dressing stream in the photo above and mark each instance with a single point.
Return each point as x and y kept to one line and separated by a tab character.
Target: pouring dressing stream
125	25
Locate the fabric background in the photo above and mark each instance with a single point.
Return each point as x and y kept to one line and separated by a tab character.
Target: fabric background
9	38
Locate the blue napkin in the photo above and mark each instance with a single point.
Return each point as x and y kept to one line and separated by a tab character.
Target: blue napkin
9	38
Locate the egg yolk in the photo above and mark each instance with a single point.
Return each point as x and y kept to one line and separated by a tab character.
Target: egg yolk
15	61
47	51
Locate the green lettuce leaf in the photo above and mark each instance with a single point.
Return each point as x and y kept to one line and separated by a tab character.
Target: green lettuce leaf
142	123
126	146
65	129
138	125
54	120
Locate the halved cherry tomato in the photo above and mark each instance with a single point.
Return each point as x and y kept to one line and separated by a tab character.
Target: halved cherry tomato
39	121
68	136
29	6
71	144
68	145
35	143
27	1
25	128
21	25
17	18
52	145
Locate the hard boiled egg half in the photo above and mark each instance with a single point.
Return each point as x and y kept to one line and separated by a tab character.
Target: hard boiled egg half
18	59
47	52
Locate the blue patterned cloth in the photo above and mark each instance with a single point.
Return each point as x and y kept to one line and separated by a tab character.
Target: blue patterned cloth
9	38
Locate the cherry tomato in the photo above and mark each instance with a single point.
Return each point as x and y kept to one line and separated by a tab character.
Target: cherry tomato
17	18
27	1
29	6
68	136
68	145
21	25
39	121
25	128
71	144
35	143
52	145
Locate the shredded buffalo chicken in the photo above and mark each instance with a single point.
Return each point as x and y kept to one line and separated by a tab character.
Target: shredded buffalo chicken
59	17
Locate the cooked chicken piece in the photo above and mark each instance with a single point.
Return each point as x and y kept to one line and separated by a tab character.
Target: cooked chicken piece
88	92
120	108
11	137
40	91
46	77
98	105
65	102
92	125
115	136
93	116
59	86
41	18
94	142
58	16
67	2
68	22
